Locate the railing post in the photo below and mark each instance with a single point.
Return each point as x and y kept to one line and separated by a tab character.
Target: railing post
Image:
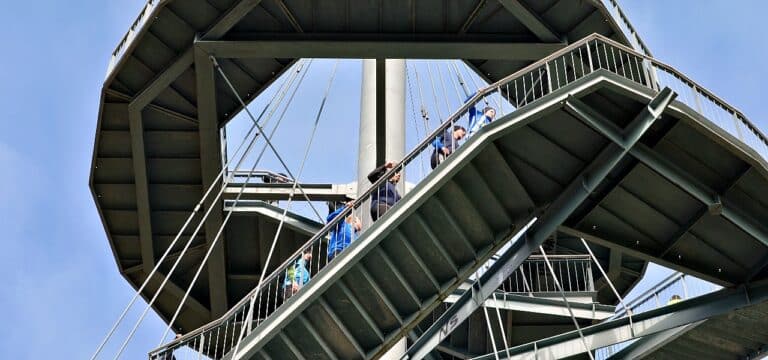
549	77
738	124
591	283
697	99
685	287
589	58
200	346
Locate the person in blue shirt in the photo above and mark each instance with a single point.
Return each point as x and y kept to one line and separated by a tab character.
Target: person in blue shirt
386	195
297	276
345	231
478	119
446	144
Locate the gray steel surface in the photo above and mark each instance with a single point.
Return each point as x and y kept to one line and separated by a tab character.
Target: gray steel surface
156	149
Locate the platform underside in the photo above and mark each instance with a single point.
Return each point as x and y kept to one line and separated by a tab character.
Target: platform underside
645	207
152	158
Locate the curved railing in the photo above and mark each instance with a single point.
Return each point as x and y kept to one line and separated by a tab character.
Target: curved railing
150	10
626	26
591	54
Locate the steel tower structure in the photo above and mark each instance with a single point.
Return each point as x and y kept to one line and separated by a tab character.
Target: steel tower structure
604	144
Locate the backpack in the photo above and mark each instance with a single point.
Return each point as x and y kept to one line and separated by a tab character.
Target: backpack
290	274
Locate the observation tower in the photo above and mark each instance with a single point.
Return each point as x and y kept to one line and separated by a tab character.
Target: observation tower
522	243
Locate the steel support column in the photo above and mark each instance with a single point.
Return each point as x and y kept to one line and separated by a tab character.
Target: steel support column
143	210
382	118
210	162
576	192
381	111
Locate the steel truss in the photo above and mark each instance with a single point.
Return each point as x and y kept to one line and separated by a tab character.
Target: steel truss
556	214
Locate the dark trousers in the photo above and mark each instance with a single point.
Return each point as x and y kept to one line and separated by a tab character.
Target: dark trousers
288	292
436	158
378	209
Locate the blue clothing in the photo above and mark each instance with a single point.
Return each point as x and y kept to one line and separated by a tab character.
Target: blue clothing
300	273
446	141
341	235
477	118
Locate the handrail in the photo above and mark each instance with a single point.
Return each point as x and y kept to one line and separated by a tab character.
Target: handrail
691	288
518	90
625	20
150	9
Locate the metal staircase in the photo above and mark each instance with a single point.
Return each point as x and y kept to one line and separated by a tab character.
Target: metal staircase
547	159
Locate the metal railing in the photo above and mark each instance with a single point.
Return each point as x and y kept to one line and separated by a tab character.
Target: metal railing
589	55
150	10
573	271
626	26
259	176
676	287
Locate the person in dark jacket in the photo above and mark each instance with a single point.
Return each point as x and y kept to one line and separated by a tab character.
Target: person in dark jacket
386	195
446	144
344	233
478	119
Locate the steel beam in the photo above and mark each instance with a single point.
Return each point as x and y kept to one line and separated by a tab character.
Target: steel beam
210	163
272	192
556	307
295	222
569	200
143	211
471	17
670	171
381	111
186	58
530	20
649	344
614	269
643	324
378	48
645	256
176	291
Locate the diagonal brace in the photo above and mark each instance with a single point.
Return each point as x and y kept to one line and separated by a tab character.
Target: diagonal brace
576	192
670	171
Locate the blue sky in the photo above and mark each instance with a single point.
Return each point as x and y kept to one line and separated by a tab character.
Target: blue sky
62	289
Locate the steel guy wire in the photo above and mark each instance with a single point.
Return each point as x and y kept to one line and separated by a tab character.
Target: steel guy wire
610	283
293	191
191	238
263	149
567	303
184	226
269	143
